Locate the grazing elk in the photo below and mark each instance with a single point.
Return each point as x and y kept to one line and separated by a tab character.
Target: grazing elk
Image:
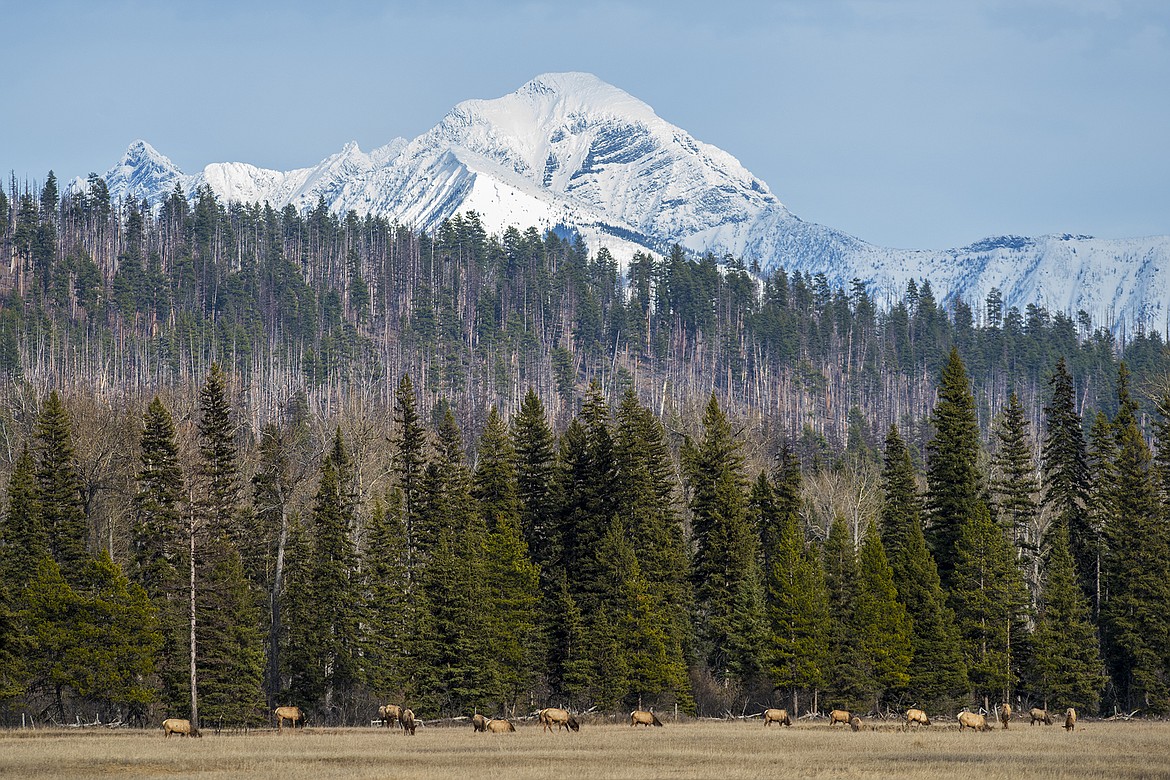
500	726
388	713
1070	719
855	723
406	718
180	726
916	718
1005	714
644	718
839	716
293	715
1040	716
777	716
478	722
551	716
972	720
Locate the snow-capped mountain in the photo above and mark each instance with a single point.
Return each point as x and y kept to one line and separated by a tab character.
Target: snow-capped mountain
567	149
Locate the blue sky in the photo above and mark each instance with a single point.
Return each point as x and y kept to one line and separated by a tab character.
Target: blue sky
908	123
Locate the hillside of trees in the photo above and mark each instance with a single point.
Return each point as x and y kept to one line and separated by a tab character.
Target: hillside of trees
478	472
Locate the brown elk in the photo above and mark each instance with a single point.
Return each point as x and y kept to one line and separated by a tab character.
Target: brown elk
1005	714
855	723
777	716
551	716
972	720
1040	716
406	718
180	726
839	716
644	718
478	722
916	718
293	715
388	713
1070	719
500	726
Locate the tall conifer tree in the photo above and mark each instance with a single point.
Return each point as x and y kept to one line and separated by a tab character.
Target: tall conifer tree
59	489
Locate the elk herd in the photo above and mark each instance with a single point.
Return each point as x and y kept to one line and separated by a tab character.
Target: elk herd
550	717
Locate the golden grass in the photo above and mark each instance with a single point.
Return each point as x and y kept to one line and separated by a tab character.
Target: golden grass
704	750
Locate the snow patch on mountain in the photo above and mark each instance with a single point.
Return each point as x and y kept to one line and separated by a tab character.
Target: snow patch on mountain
570	150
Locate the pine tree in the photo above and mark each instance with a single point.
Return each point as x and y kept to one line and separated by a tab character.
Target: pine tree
1066	664
385	604
510	609
495	474
1136	570
991	606
952	476
725	571
158	550
59	489
881	623
797	648
1065	472
229	667
850	685
24	539
1102	508
535	448
902	507
1013	490
13	647
410	444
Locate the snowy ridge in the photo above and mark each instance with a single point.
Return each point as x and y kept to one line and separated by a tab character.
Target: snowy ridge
567	149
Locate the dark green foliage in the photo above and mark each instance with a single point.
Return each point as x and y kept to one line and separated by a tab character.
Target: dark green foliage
535	448
97	641
937	672
725	573
1066	665
24	539
849	685
218	475
881	624
1065	472
1013	490
797	650
991	606
159	550
59	489
386	608
13	648
1136	574
952	475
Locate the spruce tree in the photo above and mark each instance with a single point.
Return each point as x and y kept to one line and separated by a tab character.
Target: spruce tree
1136	570
535	448
1013	491
881	623
495	473
991	606
386	607
850	683
953	480
725	571
24	539
1102	508
1064	469
797	650
13	647
410	454
1067	664
59	489
158	551
510	612
902	507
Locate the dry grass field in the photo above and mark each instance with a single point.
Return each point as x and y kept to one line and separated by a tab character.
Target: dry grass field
706	750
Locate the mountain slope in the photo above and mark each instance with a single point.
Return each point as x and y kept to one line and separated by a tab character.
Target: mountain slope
569	149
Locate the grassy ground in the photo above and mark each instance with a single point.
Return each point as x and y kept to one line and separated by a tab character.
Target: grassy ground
693	750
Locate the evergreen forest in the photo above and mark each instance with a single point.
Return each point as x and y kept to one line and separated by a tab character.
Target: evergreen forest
254	458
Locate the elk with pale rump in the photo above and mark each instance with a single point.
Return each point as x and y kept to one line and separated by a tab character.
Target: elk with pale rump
180	726
406	718
972	720
916	718
1040	716
388	714
777	716
644	718
551	716
500	726
1070	719
478	723
293	715
838	716
1005	714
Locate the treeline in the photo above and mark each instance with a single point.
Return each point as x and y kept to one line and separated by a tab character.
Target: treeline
610	566
114	298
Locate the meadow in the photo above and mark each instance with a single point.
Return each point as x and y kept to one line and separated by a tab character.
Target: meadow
705	749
